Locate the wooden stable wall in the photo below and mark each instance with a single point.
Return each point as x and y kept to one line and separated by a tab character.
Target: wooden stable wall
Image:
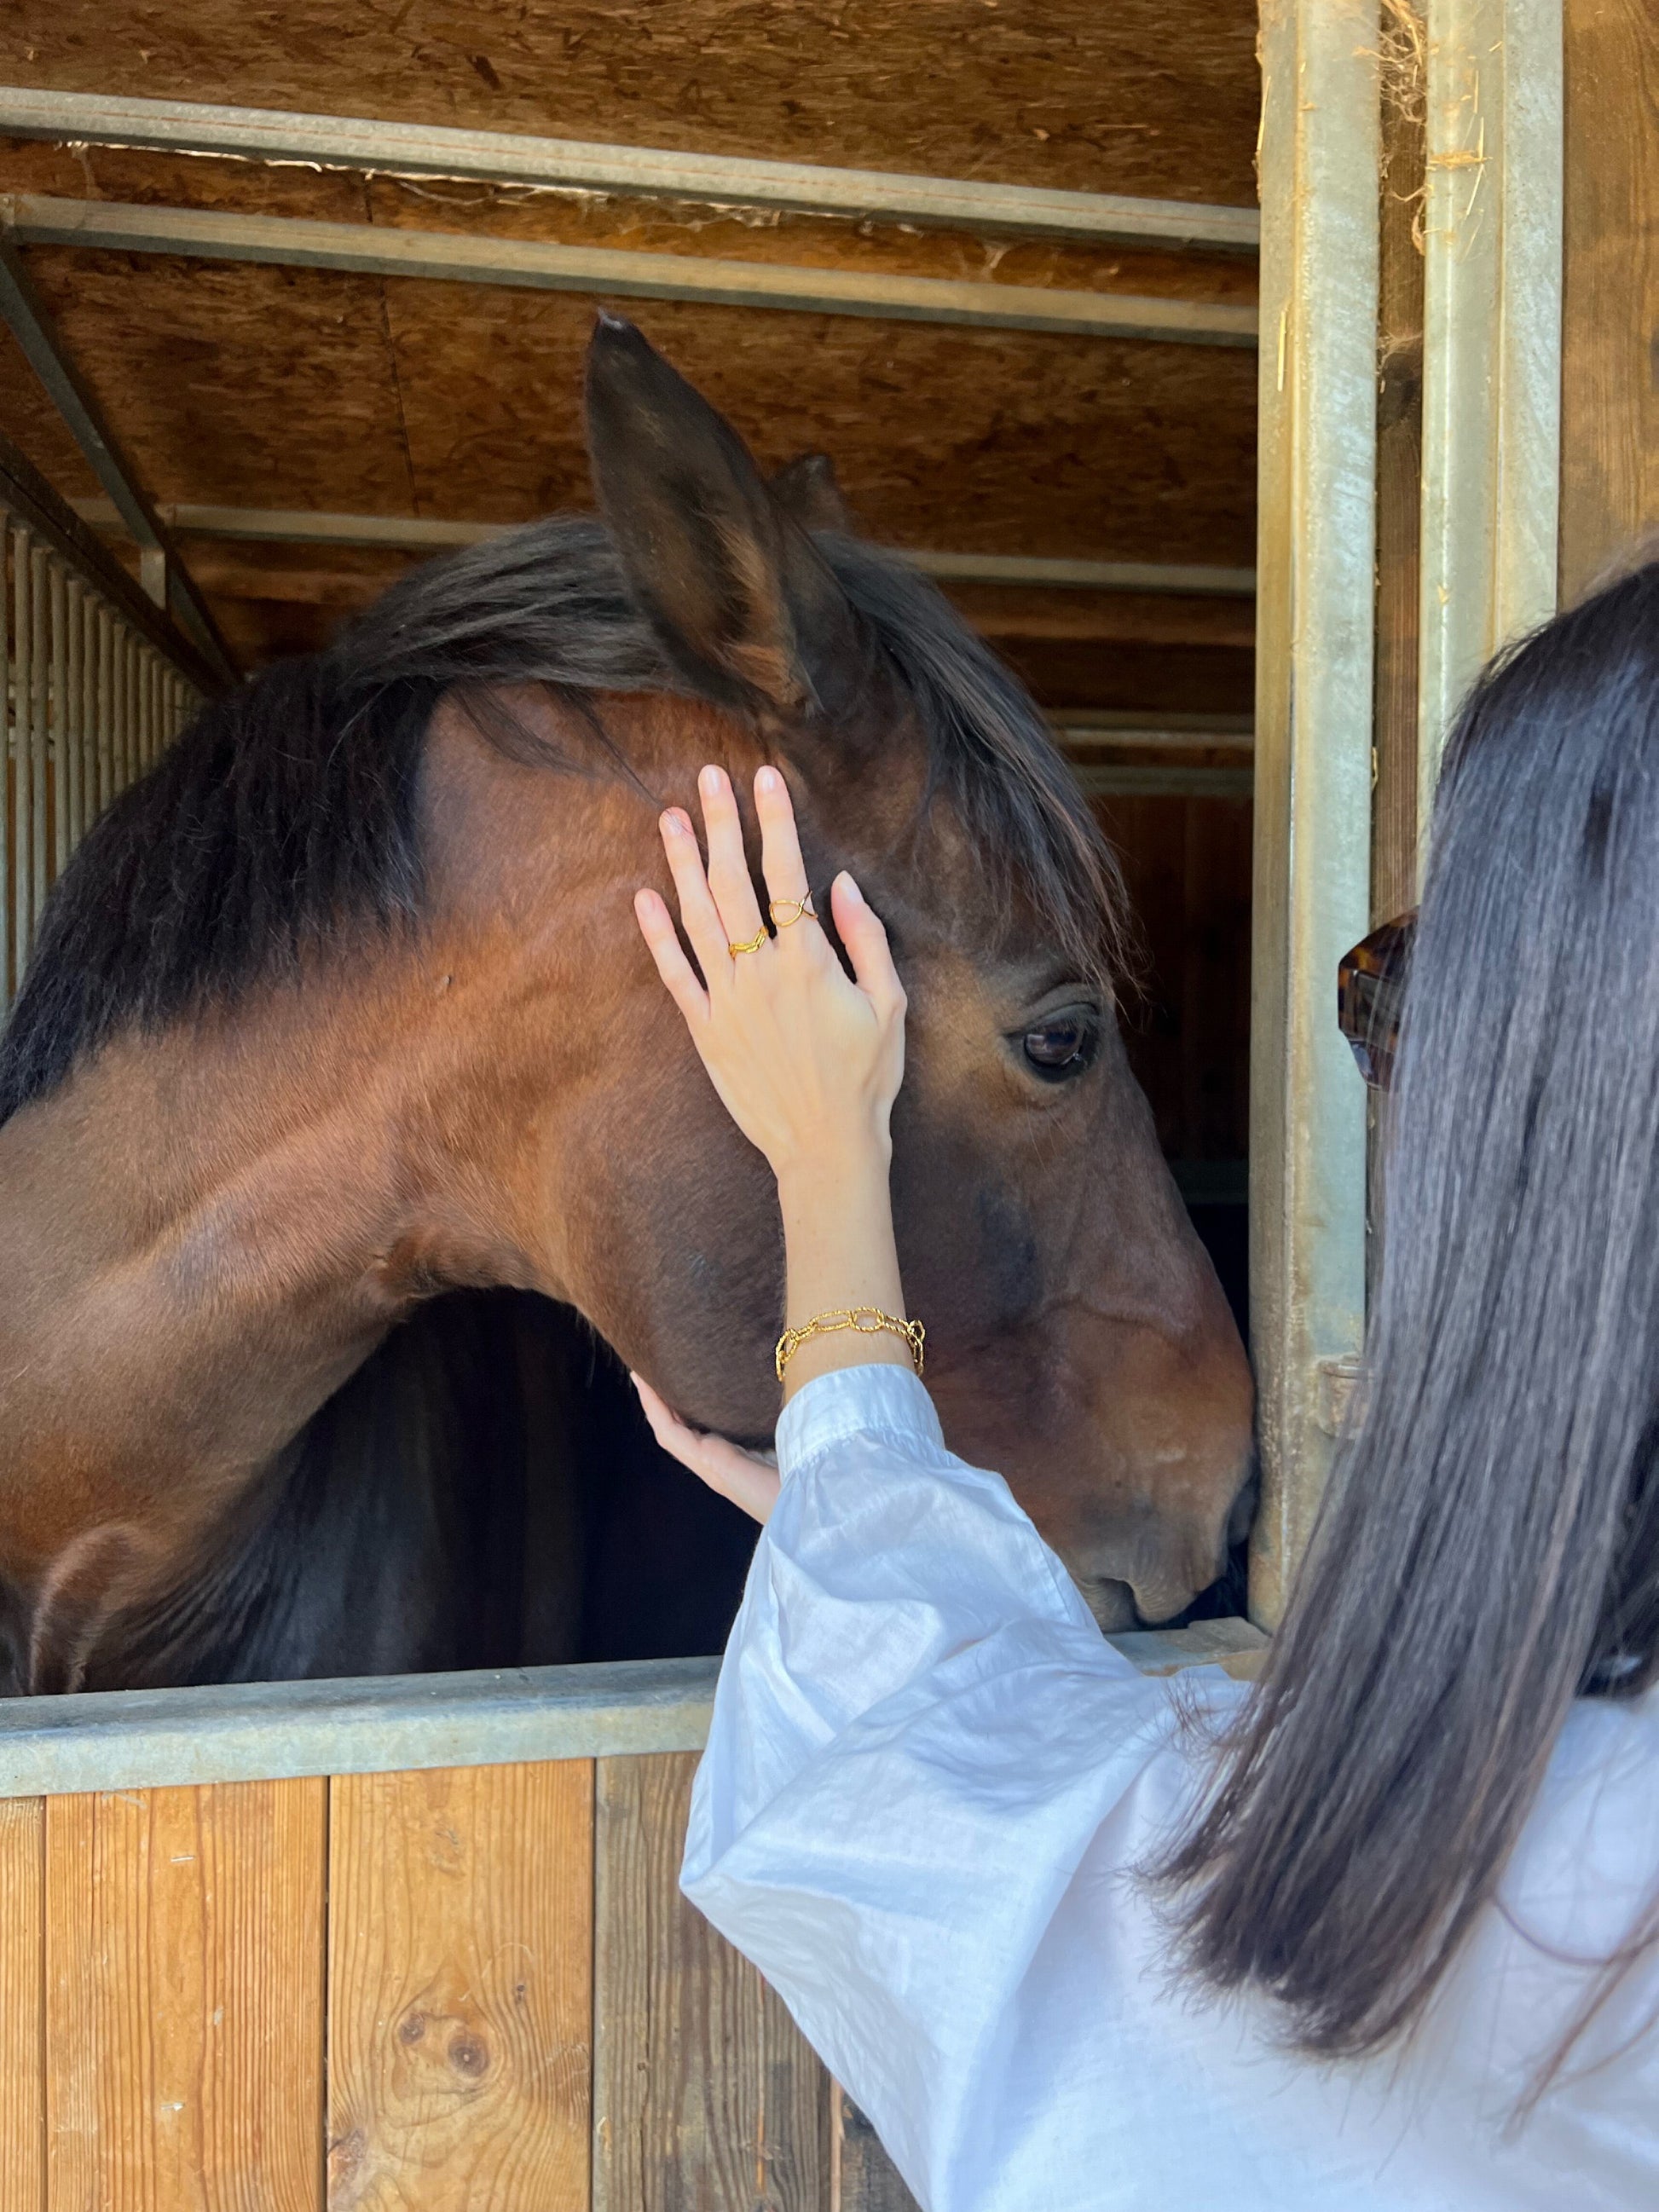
468	1990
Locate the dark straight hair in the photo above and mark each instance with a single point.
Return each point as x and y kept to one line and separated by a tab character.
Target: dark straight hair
1489	1547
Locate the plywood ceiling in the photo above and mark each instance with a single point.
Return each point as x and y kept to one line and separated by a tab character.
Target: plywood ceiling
277	388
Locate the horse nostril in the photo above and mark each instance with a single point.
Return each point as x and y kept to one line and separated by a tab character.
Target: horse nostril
1243	1507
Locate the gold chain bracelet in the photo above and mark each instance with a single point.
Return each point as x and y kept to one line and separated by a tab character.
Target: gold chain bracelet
868	1320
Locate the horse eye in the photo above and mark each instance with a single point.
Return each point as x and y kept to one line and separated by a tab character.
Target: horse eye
1064	1045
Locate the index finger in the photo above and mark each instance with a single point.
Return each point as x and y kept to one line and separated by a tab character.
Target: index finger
780	860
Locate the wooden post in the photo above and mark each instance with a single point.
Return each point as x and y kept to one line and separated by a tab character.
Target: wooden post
7	741
1314	619
1610	337
1491	368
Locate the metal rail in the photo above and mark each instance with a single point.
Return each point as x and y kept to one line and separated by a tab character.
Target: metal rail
276	1731
165	577
1313	738
260	134
375	250
94	683
417	533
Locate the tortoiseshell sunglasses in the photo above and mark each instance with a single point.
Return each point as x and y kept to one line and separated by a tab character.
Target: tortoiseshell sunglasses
1371	986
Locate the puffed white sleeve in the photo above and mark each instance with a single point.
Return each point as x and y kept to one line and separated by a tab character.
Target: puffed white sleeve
918	1733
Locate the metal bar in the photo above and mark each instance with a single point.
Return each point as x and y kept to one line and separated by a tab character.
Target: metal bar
7	741
86	764
32	500
23	763
39	729
1492	374
575	166
1083	722
1110	780
273	1731
370	249
118	754
58	705
1313	734
146	713
129	744
302	526
37	335
106	785
1195	580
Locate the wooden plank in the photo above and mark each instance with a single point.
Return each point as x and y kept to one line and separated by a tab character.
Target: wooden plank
460	1961
183	1995
706	2097
866	2180
1153	96
22	2006
1610	336
1492	347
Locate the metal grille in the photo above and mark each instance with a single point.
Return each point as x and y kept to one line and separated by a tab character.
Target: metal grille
89	703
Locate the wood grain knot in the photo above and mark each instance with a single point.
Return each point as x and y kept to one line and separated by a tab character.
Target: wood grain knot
468	2054
411	2028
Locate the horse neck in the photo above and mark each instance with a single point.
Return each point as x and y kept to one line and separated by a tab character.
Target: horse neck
204	1233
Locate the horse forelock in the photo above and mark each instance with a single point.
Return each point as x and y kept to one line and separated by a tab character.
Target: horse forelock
285	815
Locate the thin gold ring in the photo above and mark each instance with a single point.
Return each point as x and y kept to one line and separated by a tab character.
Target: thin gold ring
753	944
800	909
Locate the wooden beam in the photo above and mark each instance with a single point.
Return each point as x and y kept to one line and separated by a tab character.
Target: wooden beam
1492	347
416	533
1610	379
642	171
165	578
1313	723
449	257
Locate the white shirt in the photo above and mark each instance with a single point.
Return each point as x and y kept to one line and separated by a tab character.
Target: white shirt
929	1784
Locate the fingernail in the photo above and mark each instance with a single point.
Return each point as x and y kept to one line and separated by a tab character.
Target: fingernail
850	889
709	781
673	822
769	780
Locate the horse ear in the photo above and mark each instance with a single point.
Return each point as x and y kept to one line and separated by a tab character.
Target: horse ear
806	488
743	600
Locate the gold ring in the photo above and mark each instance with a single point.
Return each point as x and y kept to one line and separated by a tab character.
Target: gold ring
753	944
800	909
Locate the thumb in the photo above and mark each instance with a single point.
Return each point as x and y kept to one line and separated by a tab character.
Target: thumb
866	938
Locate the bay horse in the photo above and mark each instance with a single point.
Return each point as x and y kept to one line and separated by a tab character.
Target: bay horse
342	1007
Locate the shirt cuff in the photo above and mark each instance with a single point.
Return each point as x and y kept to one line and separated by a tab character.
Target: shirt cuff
852	1401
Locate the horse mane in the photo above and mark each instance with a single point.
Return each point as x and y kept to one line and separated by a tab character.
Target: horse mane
285	817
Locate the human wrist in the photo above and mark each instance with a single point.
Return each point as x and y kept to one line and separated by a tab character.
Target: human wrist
841	1160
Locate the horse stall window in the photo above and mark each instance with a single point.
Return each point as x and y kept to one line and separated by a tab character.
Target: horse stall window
415	1938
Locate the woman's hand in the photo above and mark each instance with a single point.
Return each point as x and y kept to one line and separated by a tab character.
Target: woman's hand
748	1479
806	1062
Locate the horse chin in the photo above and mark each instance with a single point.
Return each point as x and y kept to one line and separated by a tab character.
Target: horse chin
1112	1603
